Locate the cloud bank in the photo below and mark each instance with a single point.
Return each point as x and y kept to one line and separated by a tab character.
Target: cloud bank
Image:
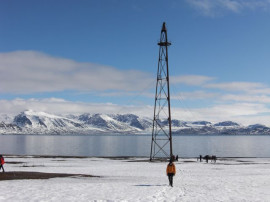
245	113
64	107
31	72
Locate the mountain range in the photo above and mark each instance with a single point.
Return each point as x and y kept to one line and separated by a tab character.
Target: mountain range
32	122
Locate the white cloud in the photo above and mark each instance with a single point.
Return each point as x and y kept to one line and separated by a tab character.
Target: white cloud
246	98
125	94
217	7
237	86
238	109
203	6
31	72
243	113
193	80
194	95
61	106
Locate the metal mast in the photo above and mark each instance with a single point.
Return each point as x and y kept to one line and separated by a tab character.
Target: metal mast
161	145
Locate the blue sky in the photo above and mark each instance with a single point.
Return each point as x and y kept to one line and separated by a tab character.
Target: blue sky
101	56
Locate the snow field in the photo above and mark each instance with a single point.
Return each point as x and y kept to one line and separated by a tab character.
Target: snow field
136	180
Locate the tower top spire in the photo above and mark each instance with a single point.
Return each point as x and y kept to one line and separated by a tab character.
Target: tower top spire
164	27
163	36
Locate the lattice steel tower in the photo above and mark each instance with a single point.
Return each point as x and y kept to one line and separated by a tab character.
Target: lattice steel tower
161	146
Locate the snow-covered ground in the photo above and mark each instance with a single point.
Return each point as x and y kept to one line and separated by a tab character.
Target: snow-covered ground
135	179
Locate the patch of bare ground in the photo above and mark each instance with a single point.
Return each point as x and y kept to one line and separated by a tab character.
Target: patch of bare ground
14	162
36	175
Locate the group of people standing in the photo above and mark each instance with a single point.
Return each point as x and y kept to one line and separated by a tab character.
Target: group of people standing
2	162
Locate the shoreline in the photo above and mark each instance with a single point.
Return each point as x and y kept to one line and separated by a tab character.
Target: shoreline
116	157
135	134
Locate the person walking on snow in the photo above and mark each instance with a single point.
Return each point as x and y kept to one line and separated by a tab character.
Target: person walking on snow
171	171
2	162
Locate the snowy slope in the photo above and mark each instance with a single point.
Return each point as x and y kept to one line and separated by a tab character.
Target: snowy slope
138	180
6	118
9	128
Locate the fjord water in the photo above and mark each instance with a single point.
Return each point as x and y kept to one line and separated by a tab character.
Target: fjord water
134	145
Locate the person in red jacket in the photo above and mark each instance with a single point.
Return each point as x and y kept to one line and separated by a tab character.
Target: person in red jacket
171	171
2	162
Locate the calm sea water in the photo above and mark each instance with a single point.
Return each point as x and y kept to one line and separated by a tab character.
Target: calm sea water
111	145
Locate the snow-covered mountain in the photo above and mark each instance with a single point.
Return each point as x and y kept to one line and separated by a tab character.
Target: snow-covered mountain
9	128
227	124
32	122
115	123
39	122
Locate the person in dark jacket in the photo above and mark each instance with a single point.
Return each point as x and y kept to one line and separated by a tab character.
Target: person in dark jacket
2	162
206	158
171	171
176	158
